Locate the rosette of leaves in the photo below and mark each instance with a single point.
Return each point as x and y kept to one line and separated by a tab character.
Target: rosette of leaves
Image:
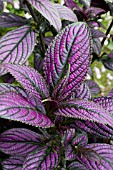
54	103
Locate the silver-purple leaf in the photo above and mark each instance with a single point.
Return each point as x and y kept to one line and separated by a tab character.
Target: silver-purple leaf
66	49
14	106
48	10
16	46
30	79
93	86
10	1
65	13
8	20
13	163
44	158
97	156
96	47
83	92
76	165
20	141
94	128
5	87
86	110
105	102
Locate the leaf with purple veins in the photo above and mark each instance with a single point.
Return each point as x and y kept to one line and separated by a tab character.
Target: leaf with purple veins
48	10
83	92
67	49
16	46
8	20
65	13
76	165
93	128
105	102
93	86
30	79
20	141
15	107
86	110
44	158
13	163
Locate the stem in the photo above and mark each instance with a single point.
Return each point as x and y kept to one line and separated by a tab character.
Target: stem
107	32
40	32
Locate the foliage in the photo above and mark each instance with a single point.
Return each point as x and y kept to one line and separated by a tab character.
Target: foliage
60	119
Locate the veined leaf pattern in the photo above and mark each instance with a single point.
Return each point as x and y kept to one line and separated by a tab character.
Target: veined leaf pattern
16	46
15	107
47	9
67	49
86	110
66	13
20	141
8	20
30	79
13	163
42	159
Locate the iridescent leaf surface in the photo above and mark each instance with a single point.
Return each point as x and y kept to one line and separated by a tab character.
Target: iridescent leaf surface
83	92
66	49
20	141
8	20
16	46
43	158
93	86
65	13
14	106
5	87
94	128
13	163
76	165
30	79
47	9
86	110
97	156
105	102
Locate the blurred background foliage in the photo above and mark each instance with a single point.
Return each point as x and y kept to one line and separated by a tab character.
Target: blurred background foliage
101	75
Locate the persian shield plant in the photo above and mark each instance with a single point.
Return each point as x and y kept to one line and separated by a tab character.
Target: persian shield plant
59	104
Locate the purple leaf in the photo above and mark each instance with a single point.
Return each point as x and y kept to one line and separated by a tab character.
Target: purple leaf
66	50
8	20
13	163
48	10
29	78
20	141
15	107
94	128
105	102
38	62
43	158
93	11
1	6
70	153
76	165
86	3
93	86
97	33
110	93
97	156
107	60
96	46
8	78
86	110
65	13
83	92
48	40
72	5
16	46
5	87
